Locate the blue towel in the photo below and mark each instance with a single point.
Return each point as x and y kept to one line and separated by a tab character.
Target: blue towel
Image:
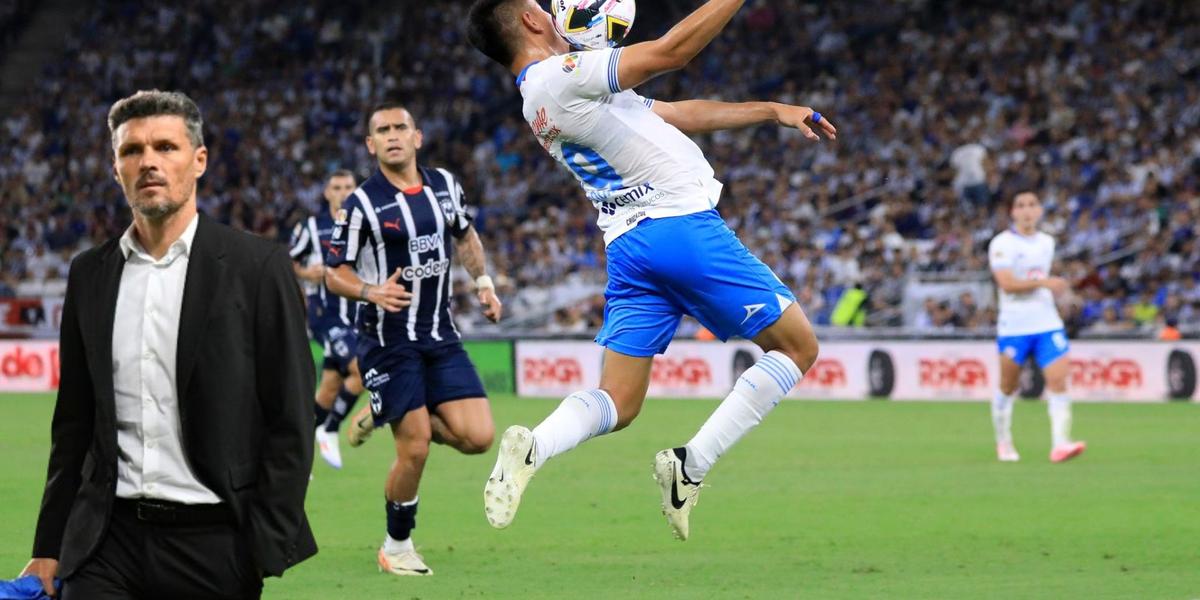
25	588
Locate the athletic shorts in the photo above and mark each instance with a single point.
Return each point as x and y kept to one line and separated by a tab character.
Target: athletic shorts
405	378
694	265
341	347
1046	347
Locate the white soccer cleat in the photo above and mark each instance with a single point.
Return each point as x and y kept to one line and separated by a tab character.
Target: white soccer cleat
327	443
515	466
1006	452
403	563
361	427
679	494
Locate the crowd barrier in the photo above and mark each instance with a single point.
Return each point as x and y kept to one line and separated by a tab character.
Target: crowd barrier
1102	371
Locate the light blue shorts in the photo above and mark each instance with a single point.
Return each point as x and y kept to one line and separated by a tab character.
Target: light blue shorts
1045	347
666	268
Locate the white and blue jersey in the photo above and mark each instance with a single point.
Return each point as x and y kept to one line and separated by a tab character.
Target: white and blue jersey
310	240
632	164
669	252
1028	322
381	229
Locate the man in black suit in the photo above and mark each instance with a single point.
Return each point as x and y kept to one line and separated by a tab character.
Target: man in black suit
182	434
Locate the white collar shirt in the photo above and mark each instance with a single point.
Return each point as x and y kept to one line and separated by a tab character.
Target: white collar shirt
151	461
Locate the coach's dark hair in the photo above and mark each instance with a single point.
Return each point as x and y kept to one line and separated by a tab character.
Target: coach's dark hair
385	105
491	28
341	173
154	103
1012	200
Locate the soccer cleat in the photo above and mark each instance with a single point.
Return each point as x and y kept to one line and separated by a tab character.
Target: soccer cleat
515	466
361	427
1065	452
403	563
679	494
327	443
1006	452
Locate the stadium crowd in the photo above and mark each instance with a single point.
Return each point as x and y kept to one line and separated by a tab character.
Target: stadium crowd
945	109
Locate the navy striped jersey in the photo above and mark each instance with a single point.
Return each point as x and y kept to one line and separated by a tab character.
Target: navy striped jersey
381	229
310	240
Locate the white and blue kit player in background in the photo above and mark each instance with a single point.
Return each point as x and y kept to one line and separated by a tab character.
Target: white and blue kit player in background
669	252
392	248
330	318
1029	326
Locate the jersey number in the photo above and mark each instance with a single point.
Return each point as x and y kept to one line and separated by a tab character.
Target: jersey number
591	168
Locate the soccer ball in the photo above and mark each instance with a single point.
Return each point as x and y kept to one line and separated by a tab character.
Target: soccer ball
593	24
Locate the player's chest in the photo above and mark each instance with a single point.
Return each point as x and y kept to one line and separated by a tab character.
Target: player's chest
1033	262
419	220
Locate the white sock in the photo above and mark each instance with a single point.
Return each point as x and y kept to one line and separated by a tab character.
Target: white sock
580	417
394	546
1002	410
1059	406
754	394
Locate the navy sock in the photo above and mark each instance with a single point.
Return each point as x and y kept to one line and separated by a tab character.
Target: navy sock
320	413
401	519
341	407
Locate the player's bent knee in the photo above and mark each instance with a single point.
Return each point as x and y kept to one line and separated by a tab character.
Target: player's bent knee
803	352
477	442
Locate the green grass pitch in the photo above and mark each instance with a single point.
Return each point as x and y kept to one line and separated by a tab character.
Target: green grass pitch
824	500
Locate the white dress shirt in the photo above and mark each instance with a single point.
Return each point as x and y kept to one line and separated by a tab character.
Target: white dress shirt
150	462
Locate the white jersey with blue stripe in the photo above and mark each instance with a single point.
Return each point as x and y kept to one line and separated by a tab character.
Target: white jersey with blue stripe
631	163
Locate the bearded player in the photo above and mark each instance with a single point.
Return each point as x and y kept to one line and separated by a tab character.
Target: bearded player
669	252
1029	325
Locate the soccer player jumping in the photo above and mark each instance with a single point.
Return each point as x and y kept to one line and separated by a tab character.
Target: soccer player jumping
1029	325
669	252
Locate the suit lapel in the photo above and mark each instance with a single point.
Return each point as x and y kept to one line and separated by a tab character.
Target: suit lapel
98	329
206	269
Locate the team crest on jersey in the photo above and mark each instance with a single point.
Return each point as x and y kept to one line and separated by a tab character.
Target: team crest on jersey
342	217
447	205
571	62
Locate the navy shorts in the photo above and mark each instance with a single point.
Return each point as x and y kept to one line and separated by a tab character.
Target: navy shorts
341	348
405	378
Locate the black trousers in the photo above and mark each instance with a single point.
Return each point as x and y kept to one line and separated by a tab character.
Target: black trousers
145	560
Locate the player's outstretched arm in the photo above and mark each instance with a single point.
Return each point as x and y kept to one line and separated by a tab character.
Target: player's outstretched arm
470	251
704	116
674	50
389	295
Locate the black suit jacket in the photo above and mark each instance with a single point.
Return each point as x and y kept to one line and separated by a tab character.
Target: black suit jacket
245	380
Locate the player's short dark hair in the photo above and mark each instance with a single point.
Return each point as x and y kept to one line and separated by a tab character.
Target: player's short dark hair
155	103
491	28
1012	200
382	106
340	173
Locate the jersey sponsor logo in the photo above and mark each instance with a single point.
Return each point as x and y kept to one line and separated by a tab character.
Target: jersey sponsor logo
433	268
543	130
685	372
571	62
941	373
637	195
335	251
1100	375
393	224
826	374
561	371
426	243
